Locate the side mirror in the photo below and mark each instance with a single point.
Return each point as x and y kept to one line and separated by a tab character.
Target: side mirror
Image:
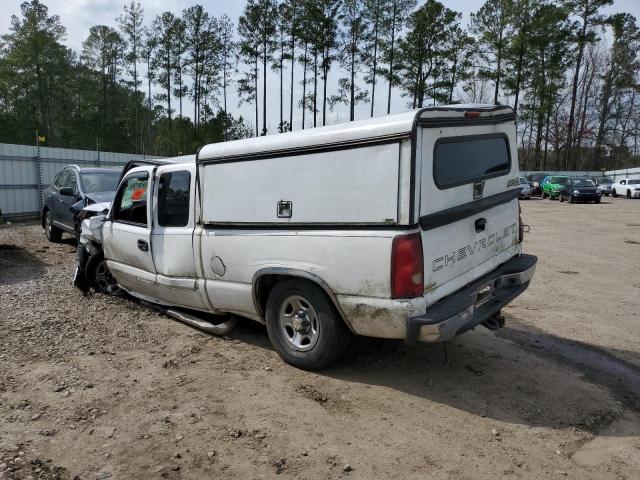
67	192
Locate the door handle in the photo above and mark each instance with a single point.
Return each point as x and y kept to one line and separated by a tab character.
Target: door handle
480	224
143	245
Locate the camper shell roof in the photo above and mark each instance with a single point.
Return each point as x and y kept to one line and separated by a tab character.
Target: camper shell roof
383	129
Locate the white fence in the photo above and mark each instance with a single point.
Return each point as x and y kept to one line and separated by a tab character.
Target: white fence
25	171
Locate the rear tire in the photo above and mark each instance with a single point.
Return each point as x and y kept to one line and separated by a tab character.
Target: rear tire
304	326
54	234
614	194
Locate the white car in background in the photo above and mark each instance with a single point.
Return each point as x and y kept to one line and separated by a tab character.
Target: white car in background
629	187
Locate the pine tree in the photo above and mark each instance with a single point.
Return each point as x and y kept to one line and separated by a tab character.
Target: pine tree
165	57
398	13
589	17
376	12
423	53
197	32
131	27
621	74
518	39
249	52
292	14
282	40
32	52
257	27
103	52
328	31
351	54
459	54
228	52
489	24
179	49
148	47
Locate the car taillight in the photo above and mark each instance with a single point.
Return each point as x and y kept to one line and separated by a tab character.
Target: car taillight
407	267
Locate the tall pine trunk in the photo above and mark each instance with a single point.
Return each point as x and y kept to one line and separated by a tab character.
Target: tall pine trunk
224	97
315	88
255	92
391	54
293	63
304	84
574	93
325	73
264	88
498	71
352	86
281	86
375	61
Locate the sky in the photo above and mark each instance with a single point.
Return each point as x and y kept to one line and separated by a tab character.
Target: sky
78	15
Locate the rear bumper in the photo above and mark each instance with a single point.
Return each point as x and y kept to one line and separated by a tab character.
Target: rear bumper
472	304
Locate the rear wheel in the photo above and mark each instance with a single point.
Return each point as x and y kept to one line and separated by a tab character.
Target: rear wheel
304	326
614	193
53	233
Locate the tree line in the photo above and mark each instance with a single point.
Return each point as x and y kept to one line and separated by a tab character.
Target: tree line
570	72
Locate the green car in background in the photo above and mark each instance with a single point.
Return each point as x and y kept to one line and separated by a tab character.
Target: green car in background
552	184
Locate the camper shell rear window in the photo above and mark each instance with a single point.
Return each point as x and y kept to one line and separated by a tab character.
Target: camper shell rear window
466	159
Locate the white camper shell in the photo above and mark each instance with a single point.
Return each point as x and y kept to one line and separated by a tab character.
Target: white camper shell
403	226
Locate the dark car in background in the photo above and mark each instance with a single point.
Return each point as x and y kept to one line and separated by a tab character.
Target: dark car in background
72	189
580	190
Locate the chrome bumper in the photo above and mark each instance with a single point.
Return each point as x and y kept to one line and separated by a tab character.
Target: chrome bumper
473	304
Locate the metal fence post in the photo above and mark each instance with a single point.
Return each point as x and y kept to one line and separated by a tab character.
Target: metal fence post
39	174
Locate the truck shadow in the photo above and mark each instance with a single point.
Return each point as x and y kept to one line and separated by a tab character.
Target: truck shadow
17	265
518	375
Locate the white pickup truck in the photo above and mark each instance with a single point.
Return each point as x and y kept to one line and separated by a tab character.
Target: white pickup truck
404	226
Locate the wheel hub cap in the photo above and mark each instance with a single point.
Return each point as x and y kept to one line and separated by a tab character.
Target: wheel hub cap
299	323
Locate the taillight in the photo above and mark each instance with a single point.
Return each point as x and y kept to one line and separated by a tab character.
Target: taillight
472	114
407	267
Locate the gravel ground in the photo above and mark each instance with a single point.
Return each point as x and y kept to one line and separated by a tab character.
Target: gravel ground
98	388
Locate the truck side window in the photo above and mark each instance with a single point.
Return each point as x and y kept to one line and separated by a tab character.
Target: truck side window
173	199
131	201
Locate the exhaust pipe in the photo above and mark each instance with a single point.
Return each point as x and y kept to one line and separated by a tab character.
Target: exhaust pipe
494	322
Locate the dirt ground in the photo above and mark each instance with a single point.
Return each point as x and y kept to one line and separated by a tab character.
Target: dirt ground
98	388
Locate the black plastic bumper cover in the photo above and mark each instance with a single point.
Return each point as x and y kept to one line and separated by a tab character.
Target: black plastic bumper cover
473	304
